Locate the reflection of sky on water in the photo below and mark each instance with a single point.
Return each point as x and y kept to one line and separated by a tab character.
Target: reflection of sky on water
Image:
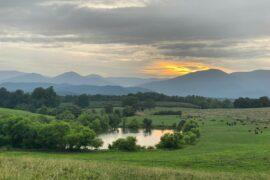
144	138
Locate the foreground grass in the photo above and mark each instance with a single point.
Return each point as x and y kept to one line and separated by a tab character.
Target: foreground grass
29	168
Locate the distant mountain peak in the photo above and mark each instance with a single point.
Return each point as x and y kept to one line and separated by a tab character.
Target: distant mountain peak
210	73
216	83
69	74
28	77
74	78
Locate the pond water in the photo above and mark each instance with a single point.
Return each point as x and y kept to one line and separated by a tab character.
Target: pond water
144	138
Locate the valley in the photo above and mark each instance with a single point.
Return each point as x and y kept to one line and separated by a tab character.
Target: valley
224	152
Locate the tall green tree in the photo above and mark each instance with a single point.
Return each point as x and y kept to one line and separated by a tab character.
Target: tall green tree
83	101
47	97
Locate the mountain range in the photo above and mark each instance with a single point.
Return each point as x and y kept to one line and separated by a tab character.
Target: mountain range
216	83
73	83
72	78
208	83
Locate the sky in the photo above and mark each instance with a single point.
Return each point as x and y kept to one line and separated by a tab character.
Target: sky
142	38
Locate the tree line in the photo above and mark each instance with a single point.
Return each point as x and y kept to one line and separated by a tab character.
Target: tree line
47	97
46	101
252	103
151	98
44	133
29	101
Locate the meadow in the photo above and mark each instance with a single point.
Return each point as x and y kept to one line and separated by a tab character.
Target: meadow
223	152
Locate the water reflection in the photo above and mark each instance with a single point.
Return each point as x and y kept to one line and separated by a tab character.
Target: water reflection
144	137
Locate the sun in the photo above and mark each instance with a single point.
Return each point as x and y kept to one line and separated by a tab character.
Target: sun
168	68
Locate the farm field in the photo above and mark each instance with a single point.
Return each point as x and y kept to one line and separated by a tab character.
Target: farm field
249	116
223	152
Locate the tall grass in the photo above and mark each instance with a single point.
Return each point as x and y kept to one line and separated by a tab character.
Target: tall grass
35	168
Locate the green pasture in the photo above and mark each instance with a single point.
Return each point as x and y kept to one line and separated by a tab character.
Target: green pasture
222	152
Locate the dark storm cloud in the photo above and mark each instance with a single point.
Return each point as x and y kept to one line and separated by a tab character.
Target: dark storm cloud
218	53
215	49
158	21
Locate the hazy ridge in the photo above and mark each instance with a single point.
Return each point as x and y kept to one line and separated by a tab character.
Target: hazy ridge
209	83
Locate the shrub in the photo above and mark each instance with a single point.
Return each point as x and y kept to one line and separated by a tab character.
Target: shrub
82	101
134	124
82	137
66	115
129	111
168	113
96	125
147	123
189	125
150	147
128	144
108	108
99	123
171	141
43	119
190	138
114	120
43	110
187	132
75	110
196	131
180	125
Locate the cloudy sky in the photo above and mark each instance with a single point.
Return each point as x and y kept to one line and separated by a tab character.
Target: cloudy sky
144	38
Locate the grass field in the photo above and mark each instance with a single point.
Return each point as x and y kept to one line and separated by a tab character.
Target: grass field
223	152
19	113
260	116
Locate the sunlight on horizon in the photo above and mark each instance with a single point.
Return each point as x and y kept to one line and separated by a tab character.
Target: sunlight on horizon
168	68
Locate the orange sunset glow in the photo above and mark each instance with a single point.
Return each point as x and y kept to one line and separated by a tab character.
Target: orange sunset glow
167	68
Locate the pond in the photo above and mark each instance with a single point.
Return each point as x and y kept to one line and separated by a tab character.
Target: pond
144	138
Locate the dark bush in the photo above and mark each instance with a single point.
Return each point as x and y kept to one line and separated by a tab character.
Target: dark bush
108	108
171	141
147	123
190	138
186	132
128	144
168	113
129	111
66	115
134	124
